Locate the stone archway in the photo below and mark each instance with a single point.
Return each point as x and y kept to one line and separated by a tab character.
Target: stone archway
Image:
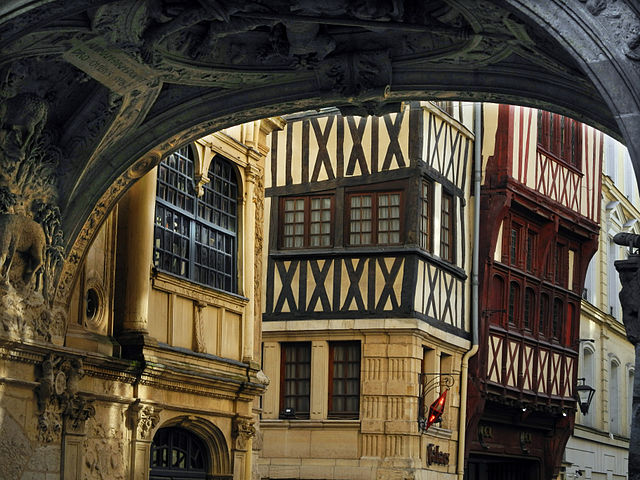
112	86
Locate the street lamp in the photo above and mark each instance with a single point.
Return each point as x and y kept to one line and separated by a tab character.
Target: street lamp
585	395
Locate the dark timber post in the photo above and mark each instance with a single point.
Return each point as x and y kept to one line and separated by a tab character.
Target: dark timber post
629	271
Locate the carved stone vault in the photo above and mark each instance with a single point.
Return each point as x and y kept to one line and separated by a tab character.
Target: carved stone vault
94	92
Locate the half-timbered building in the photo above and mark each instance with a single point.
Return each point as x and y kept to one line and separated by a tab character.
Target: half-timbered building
540	209
365	319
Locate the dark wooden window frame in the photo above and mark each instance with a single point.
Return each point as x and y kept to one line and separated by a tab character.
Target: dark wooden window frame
299	413
426	237
374	215
352	348
448	233
307	220
561	138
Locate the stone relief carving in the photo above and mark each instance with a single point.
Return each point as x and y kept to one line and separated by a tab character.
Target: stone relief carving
622	19
142	419
15	448
243	431
104	451
31	237
258	200
59	401
198	334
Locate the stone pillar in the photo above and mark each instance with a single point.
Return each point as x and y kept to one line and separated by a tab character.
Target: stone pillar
243	433
142	419
136	245
629	271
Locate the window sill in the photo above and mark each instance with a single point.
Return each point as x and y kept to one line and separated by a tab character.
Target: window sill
309	423
172	284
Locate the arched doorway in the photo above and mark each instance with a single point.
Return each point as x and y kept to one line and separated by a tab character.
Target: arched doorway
178	454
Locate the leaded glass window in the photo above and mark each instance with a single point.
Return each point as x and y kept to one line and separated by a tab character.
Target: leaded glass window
195	237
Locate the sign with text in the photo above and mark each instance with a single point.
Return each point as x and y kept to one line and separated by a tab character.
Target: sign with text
109	66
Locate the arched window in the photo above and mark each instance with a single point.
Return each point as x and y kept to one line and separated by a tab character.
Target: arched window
195	237
588	373
614	397
630	380
177	453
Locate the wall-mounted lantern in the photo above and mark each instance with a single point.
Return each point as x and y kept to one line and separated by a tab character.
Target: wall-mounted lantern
585	395
427	417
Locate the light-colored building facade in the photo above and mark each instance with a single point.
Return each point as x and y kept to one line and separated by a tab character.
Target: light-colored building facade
158	373
367	287
599	446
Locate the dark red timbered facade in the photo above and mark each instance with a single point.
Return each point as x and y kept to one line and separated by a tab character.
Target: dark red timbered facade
539	227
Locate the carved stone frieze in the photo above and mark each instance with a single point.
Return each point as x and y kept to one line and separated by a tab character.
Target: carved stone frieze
142	419
58	398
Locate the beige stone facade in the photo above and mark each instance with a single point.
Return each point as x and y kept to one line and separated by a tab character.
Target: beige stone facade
145	350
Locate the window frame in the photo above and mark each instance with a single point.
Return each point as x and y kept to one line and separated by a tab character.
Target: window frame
560	137
193	442
332	411
426	238
374	216
299	414
224	279
450	231
307	199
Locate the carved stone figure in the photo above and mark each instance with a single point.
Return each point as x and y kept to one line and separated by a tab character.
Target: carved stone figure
58	398
23	120
23	235
243	431
142	418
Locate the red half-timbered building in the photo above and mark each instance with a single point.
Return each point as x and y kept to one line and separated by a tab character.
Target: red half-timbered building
539	225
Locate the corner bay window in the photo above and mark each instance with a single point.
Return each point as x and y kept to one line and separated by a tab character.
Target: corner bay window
426	214
307	221
344	379
295	378
374	218
195	237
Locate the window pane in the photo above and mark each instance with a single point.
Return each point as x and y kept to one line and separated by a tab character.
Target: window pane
296	378
345	379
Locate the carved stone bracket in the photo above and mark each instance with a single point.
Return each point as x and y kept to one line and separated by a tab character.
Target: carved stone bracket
142	419
198	334
59	400
243	430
